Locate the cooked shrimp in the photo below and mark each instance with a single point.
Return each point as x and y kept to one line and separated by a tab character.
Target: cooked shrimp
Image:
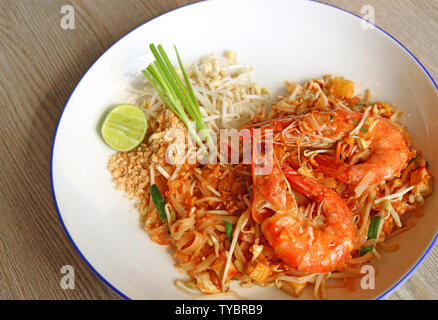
270	190
314	129
389	151
389	155
306	247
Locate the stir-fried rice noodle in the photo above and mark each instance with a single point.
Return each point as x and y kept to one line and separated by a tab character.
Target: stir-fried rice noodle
201	199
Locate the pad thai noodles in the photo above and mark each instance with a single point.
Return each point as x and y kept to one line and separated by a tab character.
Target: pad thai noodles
344	178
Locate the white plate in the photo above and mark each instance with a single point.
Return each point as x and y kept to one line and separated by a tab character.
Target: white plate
282	40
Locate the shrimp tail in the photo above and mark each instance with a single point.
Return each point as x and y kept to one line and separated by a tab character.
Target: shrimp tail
309	187
336	169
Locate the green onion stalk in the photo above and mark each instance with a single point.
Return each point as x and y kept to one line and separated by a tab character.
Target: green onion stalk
178	97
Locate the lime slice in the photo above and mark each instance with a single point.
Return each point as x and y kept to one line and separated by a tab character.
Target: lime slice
124	127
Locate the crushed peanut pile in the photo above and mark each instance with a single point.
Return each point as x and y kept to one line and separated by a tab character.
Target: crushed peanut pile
131	170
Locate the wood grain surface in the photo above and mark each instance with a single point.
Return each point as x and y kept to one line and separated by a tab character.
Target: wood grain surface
40	65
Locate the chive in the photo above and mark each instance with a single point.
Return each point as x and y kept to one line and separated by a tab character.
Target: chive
364	104
372	234
332	117
374	226
361	128
229	230
365	250
178	96
158	201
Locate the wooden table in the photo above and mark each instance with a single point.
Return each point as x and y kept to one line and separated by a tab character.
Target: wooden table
41	64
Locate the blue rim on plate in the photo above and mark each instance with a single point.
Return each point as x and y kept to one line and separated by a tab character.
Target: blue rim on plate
121	294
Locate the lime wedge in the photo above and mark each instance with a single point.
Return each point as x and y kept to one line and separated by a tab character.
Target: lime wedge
124	127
